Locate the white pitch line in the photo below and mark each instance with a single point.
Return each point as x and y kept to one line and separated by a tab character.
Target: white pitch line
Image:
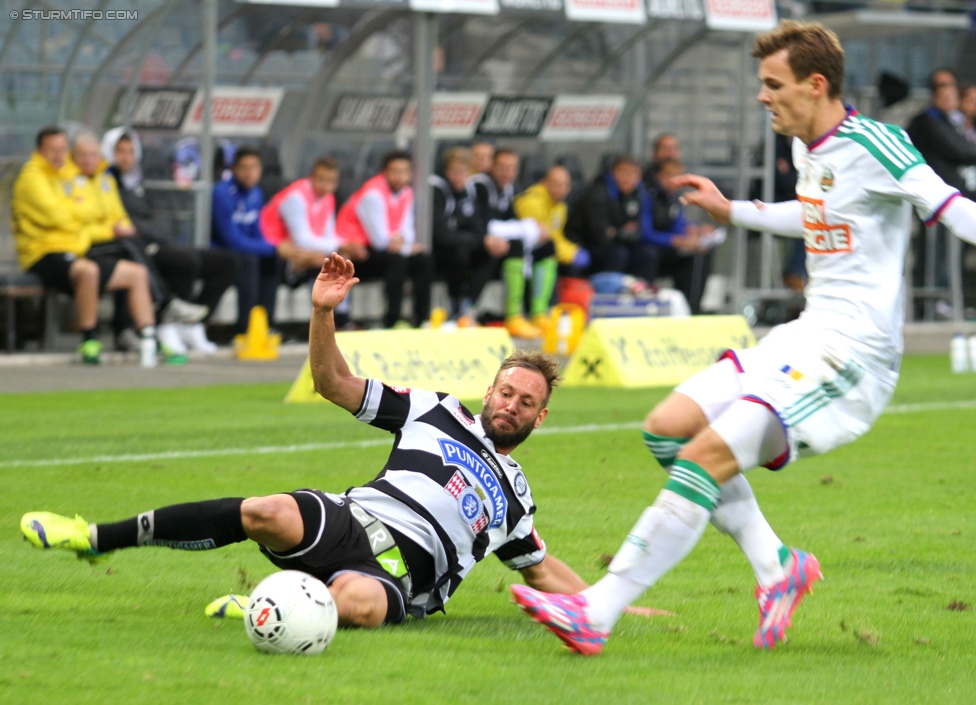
283	449
306	447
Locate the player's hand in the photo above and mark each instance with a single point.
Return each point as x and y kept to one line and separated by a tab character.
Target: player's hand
396	243
705	195
123	230
496	246
544	234
333	283
686	244
356	251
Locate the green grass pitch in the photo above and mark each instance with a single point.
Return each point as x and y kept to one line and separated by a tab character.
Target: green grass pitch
891	517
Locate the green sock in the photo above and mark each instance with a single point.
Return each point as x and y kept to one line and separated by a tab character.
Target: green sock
694	484
514	279
543	284
664	448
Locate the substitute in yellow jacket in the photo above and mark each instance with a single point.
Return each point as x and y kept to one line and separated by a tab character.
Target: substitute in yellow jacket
96	204
52	242
545	202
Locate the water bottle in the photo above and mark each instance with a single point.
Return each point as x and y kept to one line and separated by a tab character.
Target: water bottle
147	350
564	329
972	353
958	353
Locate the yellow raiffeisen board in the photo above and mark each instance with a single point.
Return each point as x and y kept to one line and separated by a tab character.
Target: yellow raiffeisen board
652	352
459	362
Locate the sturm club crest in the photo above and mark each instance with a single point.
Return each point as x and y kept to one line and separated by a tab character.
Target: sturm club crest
469	505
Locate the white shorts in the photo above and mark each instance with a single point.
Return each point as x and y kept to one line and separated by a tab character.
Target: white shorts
821	393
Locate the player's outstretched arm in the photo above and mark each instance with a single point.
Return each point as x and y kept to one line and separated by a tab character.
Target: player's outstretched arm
332	377
552	575
960	217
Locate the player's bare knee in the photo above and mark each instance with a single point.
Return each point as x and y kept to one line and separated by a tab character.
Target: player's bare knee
262	516
360	601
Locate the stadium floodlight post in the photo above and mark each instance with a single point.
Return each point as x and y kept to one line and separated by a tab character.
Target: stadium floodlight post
424	37
201	236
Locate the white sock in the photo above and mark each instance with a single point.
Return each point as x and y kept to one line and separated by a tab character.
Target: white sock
738	515
665	533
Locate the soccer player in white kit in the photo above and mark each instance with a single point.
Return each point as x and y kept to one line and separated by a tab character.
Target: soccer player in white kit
811	385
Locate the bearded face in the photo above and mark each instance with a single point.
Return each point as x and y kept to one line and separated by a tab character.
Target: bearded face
504	431
513	407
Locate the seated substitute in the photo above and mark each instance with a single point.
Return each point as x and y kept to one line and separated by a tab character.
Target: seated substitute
529	247
112	234
379	217
465	255
236	226
608	221
199	276
545	203
684	250
52	243
302	217
449	495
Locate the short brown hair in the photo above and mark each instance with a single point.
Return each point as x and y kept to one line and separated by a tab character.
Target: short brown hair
327	163
457	155
537	361
811	48
504	151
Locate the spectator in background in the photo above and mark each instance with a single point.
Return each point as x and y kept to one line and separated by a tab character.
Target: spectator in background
379	217
936	133
464	254
967	106
528	239
545	202
482	157
52	243
236	226
608	221
665	146
181	266
111	233
301	221
683	252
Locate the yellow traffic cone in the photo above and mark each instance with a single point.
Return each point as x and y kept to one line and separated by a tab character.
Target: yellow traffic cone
566	325
256	343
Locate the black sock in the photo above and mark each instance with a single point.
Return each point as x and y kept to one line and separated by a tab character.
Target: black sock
195	526
88	334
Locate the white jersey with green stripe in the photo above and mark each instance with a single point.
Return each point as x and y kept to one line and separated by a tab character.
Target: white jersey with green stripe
856	186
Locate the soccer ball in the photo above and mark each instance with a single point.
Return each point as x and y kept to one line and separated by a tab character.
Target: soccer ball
291	613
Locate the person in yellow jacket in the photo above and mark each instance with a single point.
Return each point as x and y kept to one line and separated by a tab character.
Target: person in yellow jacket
52	242
545	202
105	222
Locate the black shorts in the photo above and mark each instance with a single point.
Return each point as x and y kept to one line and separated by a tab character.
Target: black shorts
54	270
335	543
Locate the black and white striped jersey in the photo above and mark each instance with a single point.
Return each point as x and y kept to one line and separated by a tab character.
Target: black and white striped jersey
446	491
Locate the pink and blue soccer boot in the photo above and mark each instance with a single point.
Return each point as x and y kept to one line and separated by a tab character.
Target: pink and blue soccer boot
564	616
779	601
